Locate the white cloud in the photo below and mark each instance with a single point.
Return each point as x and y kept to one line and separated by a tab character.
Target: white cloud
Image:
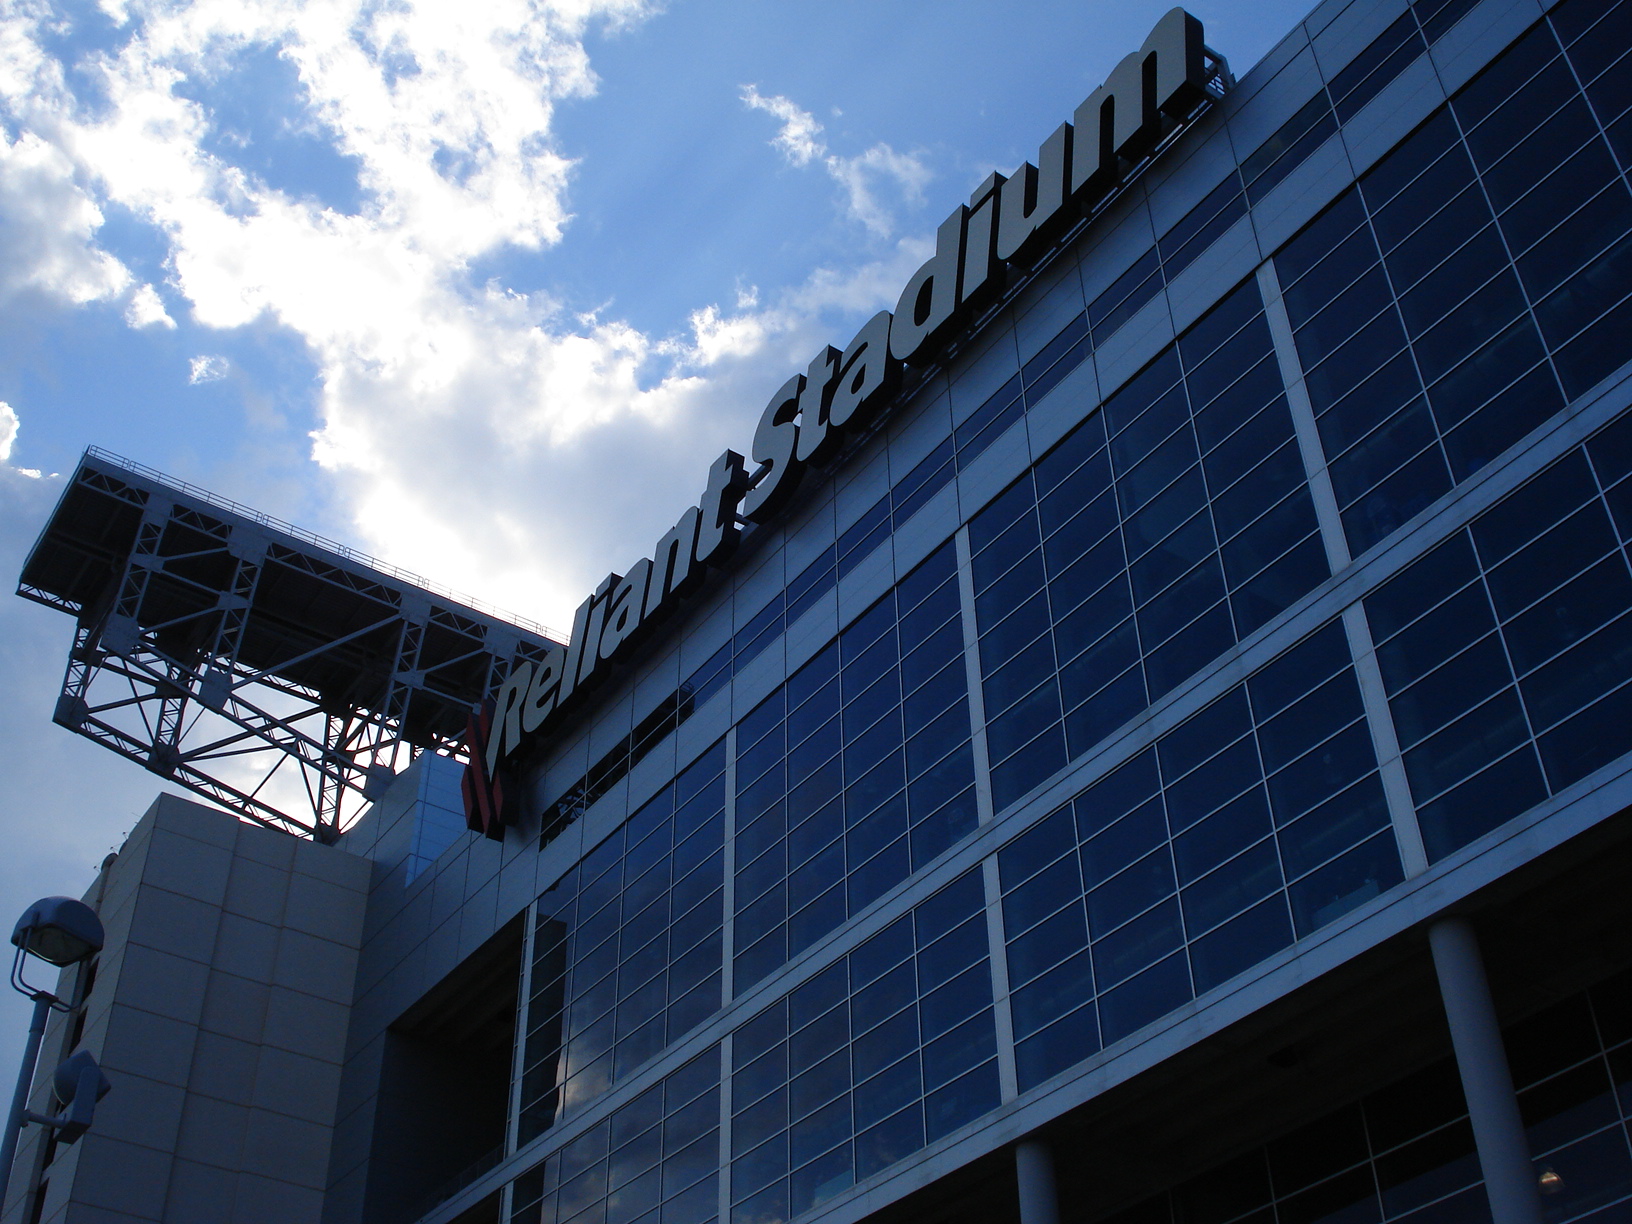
800	140
8	430
206	369
483	479
47	226
146	309
48	218
9	426
800	137
484	437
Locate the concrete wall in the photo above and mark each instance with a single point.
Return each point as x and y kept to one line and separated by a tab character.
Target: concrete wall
219	1014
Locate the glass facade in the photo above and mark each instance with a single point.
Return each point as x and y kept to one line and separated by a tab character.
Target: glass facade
1325	584
1471	281
853	774
1506	650
654	1159
1251	823
884	1050
1164	528
626	947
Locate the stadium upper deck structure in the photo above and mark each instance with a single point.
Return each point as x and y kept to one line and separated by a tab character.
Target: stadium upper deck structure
208	633
1167	761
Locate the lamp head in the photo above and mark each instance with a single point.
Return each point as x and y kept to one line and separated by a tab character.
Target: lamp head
69	1080
59	930
78	1084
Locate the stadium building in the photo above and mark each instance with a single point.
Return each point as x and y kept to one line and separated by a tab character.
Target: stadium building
1142	734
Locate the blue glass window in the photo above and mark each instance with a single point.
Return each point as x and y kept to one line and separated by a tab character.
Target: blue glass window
1506	651
1254	821
855	773
626	948
888	1048
1100	582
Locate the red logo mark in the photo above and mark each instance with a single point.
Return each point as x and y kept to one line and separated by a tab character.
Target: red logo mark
489	800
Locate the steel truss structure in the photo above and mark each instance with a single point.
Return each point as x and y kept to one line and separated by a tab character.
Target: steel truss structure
277	674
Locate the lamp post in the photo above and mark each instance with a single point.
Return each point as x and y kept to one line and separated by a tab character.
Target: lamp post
62	932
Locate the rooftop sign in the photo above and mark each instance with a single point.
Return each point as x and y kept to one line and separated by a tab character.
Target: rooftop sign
1009	221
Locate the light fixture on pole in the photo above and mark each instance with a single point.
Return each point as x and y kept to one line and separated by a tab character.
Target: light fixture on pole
62	932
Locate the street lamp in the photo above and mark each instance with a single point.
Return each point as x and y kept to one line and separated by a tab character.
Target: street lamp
62	932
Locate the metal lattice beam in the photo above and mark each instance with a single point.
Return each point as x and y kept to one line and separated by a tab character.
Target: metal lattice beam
279	677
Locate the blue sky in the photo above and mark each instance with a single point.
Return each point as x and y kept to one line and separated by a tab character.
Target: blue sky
479	289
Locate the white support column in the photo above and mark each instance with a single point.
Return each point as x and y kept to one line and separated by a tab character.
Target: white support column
1481	1059
1034	1171
1008	1080
971	668
1402	812
1303	419
725	1128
